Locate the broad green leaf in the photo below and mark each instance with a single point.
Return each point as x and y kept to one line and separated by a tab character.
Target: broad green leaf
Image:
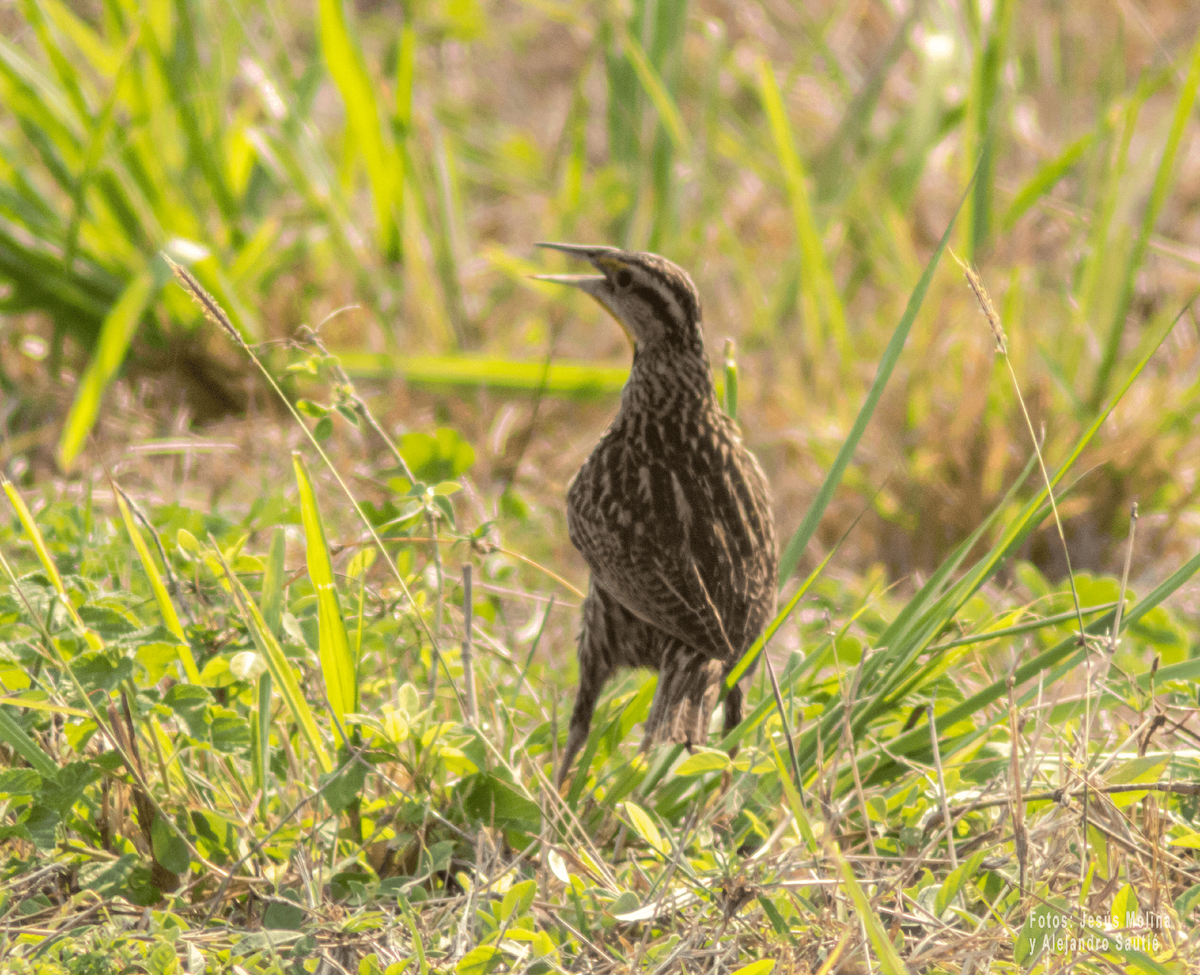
517	900
703	760
169	848
479	961
1125	907
1039	923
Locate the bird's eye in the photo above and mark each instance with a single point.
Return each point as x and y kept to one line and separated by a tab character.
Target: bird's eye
624	279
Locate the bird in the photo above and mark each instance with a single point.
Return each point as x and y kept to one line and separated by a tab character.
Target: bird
670	511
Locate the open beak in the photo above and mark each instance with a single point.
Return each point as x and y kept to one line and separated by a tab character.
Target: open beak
591	283
596	285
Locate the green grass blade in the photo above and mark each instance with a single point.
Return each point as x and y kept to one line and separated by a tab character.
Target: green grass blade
1045	179
271	607
656	91
980	145
25	517
824	304
566	379
730	393
795	548
890	961
52	47
32	97
1065	655
338	666
162	598
116	333
904	644
101	56
13	735
281	672
906	640
368	138
271	599
1158	197
772	628
623	97
935	586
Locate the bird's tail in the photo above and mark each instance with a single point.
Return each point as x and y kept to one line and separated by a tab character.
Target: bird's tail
688	686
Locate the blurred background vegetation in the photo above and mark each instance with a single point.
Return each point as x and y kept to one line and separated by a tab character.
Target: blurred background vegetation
377	174
382	171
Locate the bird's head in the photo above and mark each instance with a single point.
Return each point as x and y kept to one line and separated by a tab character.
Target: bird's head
652	299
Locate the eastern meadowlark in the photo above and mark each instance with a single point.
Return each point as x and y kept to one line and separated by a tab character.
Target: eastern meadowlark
671	513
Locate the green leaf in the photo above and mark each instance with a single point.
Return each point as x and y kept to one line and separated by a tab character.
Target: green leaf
1124	905
1045	179
439	457
1039	924
644	826
345	785
1144	768
25	517
479	961
493	800
795	803
281	673
760	967
22	783
517	900
283	917
703	760
579	380
955	881
169	848
889	960
656	91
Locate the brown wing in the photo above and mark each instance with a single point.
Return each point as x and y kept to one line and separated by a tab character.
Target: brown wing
677	527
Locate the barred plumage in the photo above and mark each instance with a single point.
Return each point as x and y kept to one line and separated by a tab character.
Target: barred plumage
671	513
